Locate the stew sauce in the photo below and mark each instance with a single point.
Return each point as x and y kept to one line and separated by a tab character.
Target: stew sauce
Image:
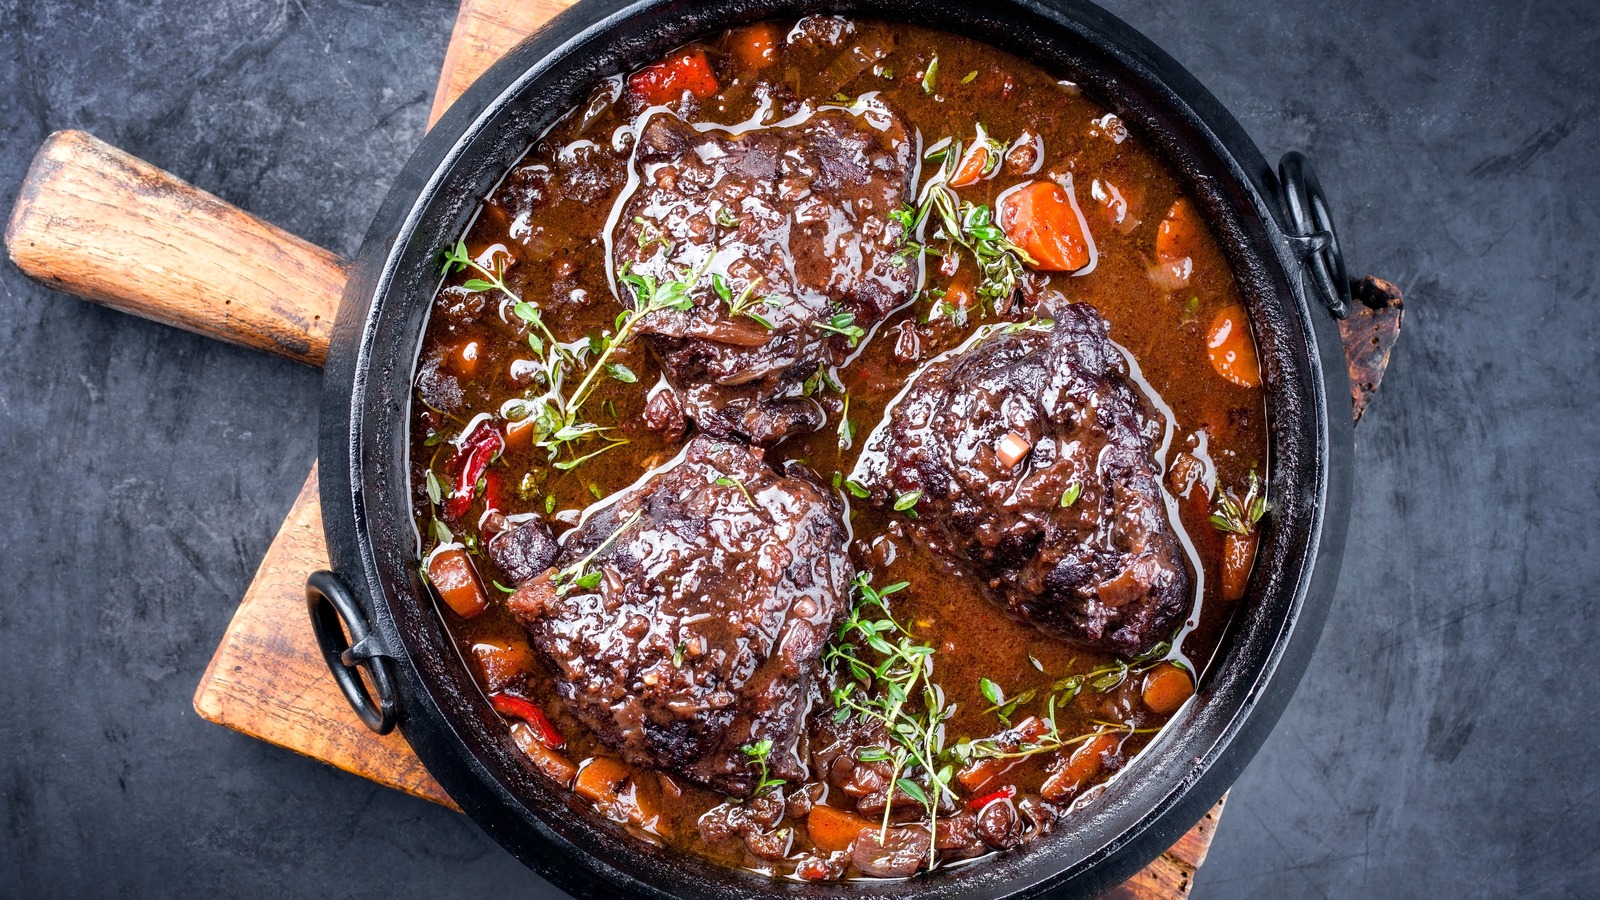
1012	196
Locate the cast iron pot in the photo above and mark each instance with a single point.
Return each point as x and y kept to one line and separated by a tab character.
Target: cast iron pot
1278	237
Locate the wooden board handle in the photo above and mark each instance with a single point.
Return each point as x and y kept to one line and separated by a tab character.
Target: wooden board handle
95	222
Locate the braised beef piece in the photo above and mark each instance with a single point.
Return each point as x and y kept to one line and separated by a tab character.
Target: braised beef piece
896	853
522	550
999	826
718	580
791	225
999	438
756	822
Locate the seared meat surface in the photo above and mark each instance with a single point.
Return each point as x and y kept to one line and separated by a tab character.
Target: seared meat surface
691	614
1033	453
790	226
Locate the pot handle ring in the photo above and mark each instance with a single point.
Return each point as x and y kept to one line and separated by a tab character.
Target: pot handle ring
1312	232
330	604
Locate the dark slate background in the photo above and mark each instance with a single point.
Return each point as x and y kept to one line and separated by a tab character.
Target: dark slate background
1442	744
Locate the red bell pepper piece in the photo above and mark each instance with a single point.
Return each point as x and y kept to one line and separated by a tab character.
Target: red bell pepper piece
666	82
508	704
1005	793
481	447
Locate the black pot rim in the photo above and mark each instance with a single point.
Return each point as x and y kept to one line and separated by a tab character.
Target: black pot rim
366	495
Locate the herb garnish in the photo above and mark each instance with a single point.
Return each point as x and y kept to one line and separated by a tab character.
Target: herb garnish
730	481
576	573
560	426
1101	680
1066	689
930	77
890	682
756	755
907	502
743	304
1071	494
843	324
456	259
963	225
1240	516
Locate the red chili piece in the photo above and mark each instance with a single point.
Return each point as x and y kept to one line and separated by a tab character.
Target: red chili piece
666	82
1005	793
507	704
480	449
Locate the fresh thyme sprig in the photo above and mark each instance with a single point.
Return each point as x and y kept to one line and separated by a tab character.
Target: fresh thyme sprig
730	481
558	425
1009	746
1240	516
1064	690
847	429
577	574
558	417
844	325
456	259
964	225
756	755
744	303
897	691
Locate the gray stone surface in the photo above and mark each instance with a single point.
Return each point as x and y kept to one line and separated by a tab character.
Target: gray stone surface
1442	744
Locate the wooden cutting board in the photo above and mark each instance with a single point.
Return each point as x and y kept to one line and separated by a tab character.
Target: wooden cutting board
100	224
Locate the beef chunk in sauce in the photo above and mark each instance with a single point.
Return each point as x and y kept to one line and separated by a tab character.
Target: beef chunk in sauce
791	225
1033	453
719	581
522	549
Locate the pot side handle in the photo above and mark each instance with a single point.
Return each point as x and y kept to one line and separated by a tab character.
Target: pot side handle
98	223
334	612
1369	311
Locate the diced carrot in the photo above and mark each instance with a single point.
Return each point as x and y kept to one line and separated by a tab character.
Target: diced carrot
452	575
519	433
1083	765
640	803
1121	209
832	829
1012	448
665	82
463	360
958	293
505	663
1179	234
972	165
1177	239
1238	557
1039	218
1166	687
756	46
980	774
601	779
1232	352
550	762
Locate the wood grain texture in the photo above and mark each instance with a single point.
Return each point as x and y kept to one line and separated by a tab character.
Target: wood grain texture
268	681
485	31
95	222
